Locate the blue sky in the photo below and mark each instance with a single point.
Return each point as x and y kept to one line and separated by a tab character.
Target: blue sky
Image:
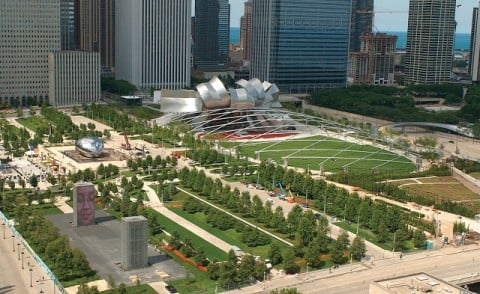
392	15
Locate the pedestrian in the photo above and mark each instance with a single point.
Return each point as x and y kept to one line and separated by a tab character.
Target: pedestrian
401	256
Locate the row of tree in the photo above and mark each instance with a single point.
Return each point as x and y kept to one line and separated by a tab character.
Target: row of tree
66	262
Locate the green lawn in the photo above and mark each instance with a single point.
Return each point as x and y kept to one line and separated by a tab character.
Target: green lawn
230	236
211	251
333	153
146	289
33	122
47	209
371	237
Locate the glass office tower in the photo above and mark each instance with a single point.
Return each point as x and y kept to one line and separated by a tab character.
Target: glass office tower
300	45
212	34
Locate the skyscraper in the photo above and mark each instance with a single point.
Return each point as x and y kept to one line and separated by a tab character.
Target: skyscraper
430	36
153	43
212	34
300	45
362	22
67	24
95	29
246	30
29	30
474	64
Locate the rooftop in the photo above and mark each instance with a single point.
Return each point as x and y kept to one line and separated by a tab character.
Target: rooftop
413	284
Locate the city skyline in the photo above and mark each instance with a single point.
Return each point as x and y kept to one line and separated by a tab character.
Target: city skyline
393	15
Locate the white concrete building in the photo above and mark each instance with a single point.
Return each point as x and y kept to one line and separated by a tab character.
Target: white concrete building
29	30
153	43
74	77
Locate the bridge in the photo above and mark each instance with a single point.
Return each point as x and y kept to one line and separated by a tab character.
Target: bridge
463	131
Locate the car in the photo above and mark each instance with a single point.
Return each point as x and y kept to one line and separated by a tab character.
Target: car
304	205
171	289
259	187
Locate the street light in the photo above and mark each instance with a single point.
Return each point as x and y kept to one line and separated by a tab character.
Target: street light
13	243
31	274
18	250
23	254
3	225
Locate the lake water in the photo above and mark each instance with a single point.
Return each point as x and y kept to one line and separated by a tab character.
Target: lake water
462	40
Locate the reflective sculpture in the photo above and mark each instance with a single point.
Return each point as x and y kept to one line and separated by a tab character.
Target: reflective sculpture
89	146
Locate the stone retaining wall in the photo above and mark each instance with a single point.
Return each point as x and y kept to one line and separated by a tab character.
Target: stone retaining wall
470	182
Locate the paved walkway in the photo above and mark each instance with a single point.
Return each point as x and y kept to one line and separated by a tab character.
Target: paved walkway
30	279
155	203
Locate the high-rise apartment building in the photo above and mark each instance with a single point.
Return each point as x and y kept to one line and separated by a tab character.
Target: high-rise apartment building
300	45
67	24
246	30
153	48
474	62
95	30
361	23
29	30
211	35
430	37
375	63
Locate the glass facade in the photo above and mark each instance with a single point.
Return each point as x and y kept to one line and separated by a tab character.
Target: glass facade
212	34
301	45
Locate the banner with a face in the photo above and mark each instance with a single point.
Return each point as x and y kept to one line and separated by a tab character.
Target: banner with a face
83	204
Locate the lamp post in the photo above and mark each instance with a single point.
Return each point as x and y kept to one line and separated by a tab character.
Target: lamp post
13	243
18	250
264	280
31	274
23	254
3	225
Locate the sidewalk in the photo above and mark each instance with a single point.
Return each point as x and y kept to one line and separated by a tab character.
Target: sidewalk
31	279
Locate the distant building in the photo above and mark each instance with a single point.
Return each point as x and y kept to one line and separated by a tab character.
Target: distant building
211	35
95	30
474	62
246	30
29	30
430	36
375	63
300	45
153	43
67	24
361	22
74	78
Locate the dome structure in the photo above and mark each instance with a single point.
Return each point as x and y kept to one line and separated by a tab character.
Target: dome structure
89	146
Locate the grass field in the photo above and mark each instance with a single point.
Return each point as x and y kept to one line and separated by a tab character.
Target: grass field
476	175
442	188
33	122
334	154
141	289
230	236
211	251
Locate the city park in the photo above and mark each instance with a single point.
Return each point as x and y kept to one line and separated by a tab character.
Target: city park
213	182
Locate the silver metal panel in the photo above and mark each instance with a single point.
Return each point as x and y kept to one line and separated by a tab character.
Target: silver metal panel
203	91
257	85
242	83
240	99
218	95
171	104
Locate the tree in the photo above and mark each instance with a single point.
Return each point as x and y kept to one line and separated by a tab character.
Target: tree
419	239
314	251
84	289
11	184
122	289
33	181
339	248
246	269
289	264
358	248
275	254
